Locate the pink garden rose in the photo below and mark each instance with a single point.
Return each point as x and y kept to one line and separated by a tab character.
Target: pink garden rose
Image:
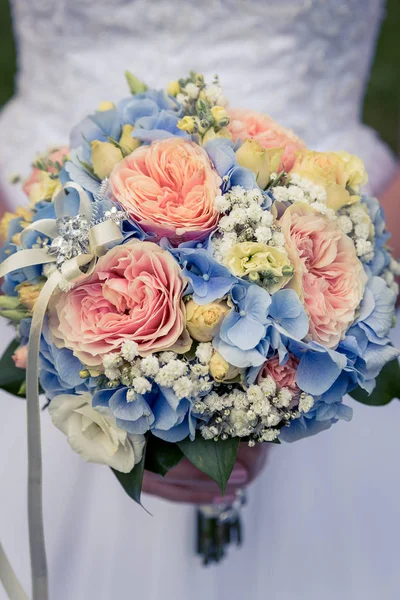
328	277
55	156
169	188
135	293
250	124
283	375
20	357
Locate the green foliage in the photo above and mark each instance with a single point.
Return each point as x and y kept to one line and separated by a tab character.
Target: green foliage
132	481
387	387
11	378
216	459
161	456
135	85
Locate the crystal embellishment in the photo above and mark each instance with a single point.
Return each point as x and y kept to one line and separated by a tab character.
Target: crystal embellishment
72	238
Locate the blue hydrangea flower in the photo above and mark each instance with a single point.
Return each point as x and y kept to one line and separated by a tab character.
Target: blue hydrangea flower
59	369
367	345
222	154
209	280
163	125
259	325
327	410
319	367
158	411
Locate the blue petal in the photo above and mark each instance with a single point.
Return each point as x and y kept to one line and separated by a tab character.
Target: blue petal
317	372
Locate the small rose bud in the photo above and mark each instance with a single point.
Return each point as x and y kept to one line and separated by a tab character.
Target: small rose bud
254	157
104	158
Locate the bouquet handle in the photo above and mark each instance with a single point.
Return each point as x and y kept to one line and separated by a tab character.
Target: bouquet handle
218	526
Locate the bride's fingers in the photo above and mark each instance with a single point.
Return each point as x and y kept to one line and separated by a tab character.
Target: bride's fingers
209	487
185	472
176	493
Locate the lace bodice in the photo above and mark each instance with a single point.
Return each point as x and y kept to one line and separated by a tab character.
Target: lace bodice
306	62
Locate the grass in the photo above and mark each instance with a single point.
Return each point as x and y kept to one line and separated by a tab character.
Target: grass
382	102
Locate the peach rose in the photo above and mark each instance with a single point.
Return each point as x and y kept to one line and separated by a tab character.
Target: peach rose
283	375
250	124
135	293
328	276
169	188
20	357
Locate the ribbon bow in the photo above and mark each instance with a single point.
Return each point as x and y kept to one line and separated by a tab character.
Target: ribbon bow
100	237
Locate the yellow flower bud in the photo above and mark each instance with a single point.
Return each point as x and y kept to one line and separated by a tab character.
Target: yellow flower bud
204	322
212	134
254	157
173	88
188	124
128	143
106	105
221	370
28	294
104	158
220	115
271	263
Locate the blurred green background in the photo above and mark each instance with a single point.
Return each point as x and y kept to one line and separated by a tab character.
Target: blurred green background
382	102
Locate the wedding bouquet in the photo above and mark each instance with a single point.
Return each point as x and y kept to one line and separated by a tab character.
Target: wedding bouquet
191	276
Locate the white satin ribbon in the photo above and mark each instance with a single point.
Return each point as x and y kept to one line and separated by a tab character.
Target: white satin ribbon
101	236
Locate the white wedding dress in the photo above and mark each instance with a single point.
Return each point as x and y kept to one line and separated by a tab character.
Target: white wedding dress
322	521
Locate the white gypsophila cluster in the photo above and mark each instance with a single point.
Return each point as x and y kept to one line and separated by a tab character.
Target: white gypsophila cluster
186	379
257	413
390	274
244	220
355	222
300	189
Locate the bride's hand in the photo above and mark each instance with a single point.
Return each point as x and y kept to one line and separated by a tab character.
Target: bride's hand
185	483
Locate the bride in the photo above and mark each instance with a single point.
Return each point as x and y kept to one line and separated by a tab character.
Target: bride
322	519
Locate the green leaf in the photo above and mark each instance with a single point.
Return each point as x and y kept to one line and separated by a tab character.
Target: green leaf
135	85
216	459
161	456
132	481
11	378
387	387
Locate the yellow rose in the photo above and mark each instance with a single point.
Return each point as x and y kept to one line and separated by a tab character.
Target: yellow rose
128	143
104	158
254	157
355	170
204	322
329	170
44	188
275	157
261	263
28	294
173	88
212	134
220	115
221	370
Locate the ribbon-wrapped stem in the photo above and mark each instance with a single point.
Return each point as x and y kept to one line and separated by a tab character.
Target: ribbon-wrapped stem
72	270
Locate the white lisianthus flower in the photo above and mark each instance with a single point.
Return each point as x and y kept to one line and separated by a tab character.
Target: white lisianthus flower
94	434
